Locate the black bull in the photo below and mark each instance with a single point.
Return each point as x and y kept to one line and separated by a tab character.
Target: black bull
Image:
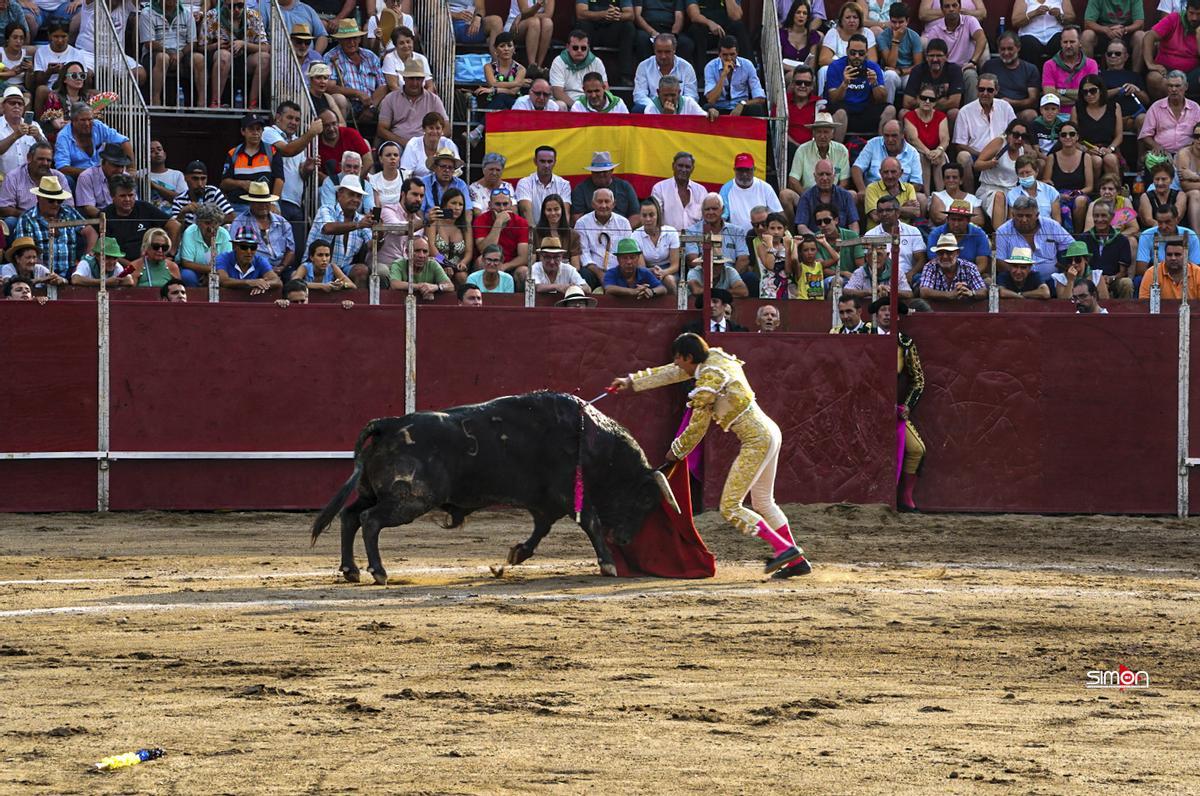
519	451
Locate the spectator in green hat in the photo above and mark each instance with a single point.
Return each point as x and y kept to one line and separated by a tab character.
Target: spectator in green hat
115	274
1075	263
630	279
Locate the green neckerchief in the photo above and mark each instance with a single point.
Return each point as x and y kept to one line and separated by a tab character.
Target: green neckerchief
574	67
657	103
1082	63
612	103
1113	234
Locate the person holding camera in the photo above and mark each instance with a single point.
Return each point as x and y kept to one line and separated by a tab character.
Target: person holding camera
856	85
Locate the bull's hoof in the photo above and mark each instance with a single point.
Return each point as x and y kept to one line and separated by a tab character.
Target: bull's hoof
518	553
380	577
349	574
608	570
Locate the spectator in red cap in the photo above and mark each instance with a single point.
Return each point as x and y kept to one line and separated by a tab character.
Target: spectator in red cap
745	192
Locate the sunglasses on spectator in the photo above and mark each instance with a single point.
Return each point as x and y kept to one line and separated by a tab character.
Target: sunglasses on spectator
985	90
540	93
579	48
1115	53
826	220
803	82
1018	133
248	246
53	201
928	99
75	75
1078	260
159	247
1068	134
1092	90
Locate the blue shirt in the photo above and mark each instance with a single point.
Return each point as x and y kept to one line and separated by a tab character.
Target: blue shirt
301	13
910	45
643	277
842	202
1049	242
1146	243
858	91
278	241
68	154
872	155
506	282
733	241
1046	196
742	85
974	244
345	246
433	192
645	82
227	262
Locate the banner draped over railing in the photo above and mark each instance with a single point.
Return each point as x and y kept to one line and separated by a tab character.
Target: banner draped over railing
641	146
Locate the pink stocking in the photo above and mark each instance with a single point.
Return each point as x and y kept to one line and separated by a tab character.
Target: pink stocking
777	542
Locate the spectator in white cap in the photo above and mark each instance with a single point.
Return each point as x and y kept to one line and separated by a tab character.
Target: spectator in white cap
745	192
16	137
347	229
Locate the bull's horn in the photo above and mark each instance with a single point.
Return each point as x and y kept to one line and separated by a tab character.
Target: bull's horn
665	487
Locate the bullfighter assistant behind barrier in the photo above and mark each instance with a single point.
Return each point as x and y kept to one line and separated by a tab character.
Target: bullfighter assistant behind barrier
723	390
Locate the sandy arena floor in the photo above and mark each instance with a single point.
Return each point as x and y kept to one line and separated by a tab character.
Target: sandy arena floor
928	653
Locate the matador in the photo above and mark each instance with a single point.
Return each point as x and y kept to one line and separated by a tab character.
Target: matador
722	391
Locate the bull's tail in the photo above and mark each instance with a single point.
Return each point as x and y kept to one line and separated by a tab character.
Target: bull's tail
337	501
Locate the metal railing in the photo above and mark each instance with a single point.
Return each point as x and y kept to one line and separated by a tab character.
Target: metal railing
432	18
128	115
288	82
772	64
185	87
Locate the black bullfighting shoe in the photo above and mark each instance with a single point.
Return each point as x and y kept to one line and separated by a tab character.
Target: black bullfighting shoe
800	566
784	558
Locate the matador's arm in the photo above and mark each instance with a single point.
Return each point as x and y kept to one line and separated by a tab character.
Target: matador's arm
650	378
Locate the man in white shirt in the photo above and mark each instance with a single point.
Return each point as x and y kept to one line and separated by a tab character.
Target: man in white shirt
978	124
533	190
289	144
16	137
912	244
745	192
671	101
539	98
679	196
599	233
569	68
664	63
550	273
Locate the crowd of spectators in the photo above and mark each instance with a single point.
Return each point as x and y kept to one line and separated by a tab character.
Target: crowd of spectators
1064	150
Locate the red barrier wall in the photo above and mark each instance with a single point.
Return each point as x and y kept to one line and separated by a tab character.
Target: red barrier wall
48	403
1023	412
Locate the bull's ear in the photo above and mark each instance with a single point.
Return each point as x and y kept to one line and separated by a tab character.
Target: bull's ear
661	481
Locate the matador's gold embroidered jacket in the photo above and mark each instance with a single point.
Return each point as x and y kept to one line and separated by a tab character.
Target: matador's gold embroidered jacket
721	390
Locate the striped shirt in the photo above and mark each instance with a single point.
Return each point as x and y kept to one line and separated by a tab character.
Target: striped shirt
365	76
212	194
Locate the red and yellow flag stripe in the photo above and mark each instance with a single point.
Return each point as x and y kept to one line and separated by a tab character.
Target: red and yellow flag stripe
641	146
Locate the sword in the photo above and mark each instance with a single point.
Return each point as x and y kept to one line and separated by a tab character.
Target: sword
607	392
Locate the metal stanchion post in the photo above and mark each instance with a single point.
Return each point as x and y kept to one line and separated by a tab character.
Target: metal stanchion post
993	290
1155	287
1183	389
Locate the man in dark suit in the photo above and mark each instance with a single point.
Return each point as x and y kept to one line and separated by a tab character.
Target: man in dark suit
719	320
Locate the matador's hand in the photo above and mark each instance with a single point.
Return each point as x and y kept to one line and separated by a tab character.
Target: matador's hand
621	384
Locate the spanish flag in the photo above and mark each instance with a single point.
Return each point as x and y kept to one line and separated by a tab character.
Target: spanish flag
642	146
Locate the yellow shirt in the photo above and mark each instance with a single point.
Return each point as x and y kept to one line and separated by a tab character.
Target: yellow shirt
876	190
811	285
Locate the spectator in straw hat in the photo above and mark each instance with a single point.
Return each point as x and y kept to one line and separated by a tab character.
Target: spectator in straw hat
16	194
821	147
23	258
357	70
550	273
305	46
1020	280
602	175
442	177
576	296
276	241
950	276
60	248
401	112
628	279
